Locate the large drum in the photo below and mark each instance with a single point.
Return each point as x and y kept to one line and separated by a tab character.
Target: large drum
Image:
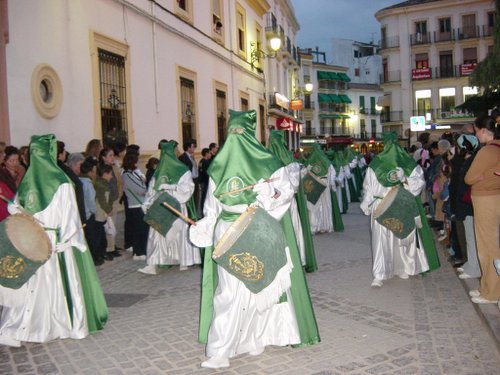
24	247
252	249
158	216
313	187
397	211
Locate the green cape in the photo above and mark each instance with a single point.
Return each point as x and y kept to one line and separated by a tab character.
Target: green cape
318	161
278	147
242	161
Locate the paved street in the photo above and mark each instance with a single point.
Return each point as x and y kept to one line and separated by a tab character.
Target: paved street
424	325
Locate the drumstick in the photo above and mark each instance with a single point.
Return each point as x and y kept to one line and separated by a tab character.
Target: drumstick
22	209
180	214
248	187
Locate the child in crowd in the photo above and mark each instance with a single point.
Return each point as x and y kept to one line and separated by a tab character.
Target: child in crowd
104	207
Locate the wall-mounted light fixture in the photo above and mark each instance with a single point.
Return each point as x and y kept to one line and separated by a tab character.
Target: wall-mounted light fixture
256	54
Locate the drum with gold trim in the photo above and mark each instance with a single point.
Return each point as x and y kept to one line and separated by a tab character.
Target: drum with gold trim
252	249
159	217
397	211
24	247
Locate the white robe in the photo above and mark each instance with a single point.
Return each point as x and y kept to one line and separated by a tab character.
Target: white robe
174	247
320	214
237	326
294	173
391	255
340	183
41	312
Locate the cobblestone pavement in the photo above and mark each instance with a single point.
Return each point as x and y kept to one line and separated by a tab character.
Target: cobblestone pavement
424	325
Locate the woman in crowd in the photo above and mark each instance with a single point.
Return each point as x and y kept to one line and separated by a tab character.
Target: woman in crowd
8	188
485	195
12	165
93	148
107	157
135	189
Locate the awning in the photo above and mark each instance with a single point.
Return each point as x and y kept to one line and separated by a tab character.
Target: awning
345	99
324	98
323	75
335	98
344	77
345	116
334	76
384	101
325	115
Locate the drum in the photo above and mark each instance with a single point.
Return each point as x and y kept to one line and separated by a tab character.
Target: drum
24	247
159	217
252	249
397	211
313	187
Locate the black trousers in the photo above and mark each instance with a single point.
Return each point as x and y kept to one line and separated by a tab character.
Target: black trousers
137	230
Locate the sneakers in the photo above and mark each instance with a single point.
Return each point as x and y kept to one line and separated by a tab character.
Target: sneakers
474	293
460	269
216	362
139	257
257	351
403	276
464	275
183	268
377	283
481	300
148	270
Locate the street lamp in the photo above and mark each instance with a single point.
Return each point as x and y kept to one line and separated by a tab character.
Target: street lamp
256	54
309	87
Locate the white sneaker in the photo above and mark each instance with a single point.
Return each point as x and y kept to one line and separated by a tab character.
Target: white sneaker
139	257
129	249
474	293
7	341
148	270
257	351
403	276
460	269
216	362
464	275
377	282
481	300
183	268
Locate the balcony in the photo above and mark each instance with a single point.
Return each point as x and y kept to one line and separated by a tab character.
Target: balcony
423	112
420	38
368	111
445	36
390	42
391	76
446	72
391	116
469	32
453	114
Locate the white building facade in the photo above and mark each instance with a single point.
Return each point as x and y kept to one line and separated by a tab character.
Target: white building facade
429	49
138	71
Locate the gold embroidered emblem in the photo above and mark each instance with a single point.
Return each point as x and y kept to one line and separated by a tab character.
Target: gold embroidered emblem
234	184
316	169
395	225
247	266
392	176
11	267
308	186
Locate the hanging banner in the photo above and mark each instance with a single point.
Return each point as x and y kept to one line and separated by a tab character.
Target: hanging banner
284	123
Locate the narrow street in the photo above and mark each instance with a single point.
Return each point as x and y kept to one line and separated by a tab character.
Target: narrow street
424	325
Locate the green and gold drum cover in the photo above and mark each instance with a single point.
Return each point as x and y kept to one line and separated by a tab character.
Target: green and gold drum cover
397	211
160	217
24	247
252	249
313	187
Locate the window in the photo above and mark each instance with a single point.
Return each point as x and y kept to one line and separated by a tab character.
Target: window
113	94
362	128
385	68
421	61
184	9
421	32
356	54
361	104
221	109
188	110
470	92
491	19
356	72
423	102
241	27
446	64
470	55
244	104
468	26
447	101
445	25
372	105
374	127
217	19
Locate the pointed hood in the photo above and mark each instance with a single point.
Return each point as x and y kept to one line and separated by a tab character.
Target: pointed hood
242	160
277	146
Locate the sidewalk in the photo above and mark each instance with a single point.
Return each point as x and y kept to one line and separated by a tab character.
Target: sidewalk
424	325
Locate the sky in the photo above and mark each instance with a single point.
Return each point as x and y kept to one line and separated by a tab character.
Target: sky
322	20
